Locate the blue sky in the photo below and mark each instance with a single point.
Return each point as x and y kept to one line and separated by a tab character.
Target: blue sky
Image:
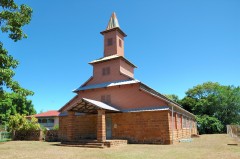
175	44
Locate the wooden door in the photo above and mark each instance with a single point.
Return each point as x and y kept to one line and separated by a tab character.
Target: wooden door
108	127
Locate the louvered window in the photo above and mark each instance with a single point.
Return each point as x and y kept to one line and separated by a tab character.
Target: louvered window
106	71
109	41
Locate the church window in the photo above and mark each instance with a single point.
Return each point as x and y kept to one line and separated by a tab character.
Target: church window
106	99
179	123
175	121
109	41
106	71
120	43
184	122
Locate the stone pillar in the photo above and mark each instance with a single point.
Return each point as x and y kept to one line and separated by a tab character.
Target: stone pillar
101	126
70	125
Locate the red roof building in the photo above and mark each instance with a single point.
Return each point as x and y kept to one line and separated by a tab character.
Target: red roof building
50	113
48	119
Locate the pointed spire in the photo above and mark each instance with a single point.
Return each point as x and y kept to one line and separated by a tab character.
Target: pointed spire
113	25
113	22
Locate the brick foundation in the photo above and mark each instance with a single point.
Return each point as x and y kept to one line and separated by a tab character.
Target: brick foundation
151	127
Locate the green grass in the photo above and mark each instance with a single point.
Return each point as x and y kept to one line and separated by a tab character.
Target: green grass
207	147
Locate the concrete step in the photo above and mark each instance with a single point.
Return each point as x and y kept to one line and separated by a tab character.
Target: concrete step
88	143
83	141
83	145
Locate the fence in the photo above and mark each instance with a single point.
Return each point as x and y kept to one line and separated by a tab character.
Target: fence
50	135
233	131
5	136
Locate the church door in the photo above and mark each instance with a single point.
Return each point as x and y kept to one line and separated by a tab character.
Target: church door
108	127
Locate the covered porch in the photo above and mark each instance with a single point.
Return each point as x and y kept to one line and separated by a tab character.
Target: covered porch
103	124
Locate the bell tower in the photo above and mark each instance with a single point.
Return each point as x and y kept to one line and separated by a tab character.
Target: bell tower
113	66
113	38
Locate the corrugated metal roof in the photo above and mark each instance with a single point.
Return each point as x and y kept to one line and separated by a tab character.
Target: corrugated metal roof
155	108
63	113
111	57
100	104
105	59
86	105
105	106
155	93
107	84
113	25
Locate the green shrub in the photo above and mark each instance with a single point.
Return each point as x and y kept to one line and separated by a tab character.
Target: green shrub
20	122
56	127
209	125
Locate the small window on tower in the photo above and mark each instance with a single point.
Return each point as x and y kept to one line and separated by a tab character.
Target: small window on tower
106	71
120	43
109	41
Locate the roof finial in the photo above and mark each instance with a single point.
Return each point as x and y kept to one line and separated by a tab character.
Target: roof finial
113	22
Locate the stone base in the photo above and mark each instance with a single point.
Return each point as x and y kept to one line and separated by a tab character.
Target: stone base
94	143
113	143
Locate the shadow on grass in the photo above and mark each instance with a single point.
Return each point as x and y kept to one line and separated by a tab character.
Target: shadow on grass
56	144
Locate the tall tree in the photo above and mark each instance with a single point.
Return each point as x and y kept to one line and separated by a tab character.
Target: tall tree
12	18
214	104
14	103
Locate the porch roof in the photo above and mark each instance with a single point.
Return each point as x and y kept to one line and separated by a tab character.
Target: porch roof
91	106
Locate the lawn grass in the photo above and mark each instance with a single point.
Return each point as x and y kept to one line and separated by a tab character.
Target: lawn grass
207	146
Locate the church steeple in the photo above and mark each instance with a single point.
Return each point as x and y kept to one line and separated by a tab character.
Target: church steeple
113	22
113	66
113	38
